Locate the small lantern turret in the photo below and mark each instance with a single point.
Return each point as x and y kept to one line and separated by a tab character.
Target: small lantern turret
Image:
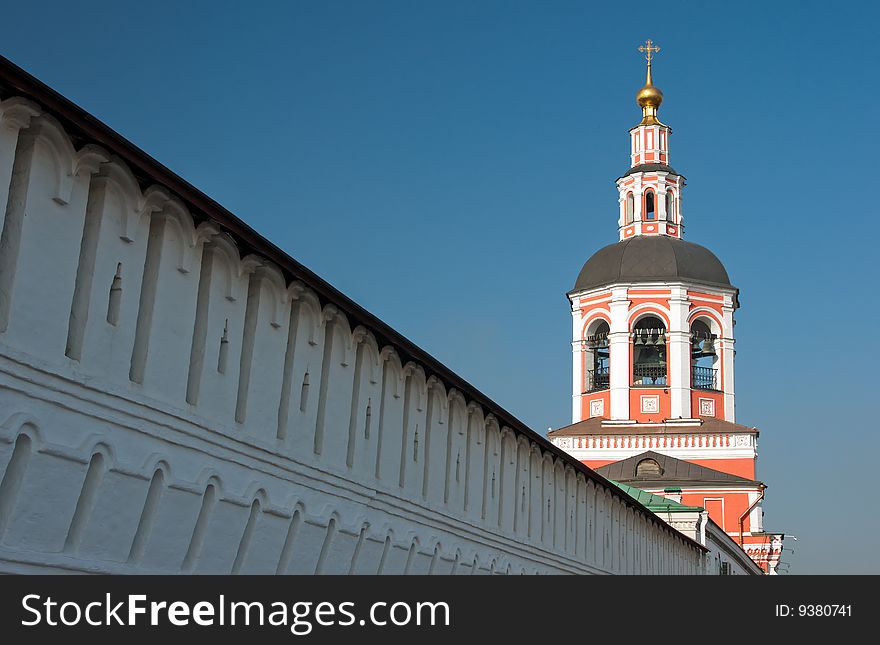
650	191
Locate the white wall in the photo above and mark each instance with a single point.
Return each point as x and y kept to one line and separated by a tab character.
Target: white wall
721	547
203	415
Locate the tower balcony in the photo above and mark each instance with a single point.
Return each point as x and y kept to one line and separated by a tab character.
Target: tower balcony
597	379
649	375
704	378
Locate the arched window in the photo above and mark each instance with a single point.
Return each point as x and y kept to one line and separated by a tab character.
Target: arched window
630	208
596	358
670	203
648	469
704	357
649	205
649	352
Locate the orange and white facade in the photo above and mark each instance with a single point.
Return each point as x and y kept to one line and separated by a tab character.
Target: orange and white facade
680	308
653	349
650	199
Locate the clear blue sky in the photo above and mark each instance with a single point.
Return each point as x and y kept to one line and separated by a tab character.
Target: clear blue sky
450	166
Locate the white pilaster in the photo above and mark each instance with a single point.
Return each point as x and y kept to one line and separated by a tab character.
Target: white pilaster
679	354
577	370
662	215
638	191
727	352
727	359
680	217
619	354
633	148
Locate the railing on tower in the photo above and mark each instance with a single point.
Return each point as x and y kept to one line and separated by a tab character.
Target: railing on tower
597	379
649	374
704	378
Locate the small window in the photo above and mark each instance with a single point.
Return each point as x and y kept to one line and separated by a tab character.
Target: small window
649	205
670	215
630	208
648	469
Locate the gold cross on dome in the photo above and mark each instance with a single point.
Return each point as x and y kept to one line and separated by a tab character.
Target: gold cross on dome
649	49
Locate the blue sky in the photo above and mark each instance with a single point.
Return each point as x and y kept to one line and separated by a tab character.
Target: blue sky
450	166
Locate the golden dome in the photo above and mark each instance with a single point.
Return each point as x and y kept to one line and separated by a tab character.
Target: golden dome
649	99
649	96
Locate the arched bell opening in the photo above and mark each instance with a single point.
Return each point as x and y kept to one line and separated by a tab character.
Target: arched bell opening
649	352
650	210
596	358
670	206
704	357
630	208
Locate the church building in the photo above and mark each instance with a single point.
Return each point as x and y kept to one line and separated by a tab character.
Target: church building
653	403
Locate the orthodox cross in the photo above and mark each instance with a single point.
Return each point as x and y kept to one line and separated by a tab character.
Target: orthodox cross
649	50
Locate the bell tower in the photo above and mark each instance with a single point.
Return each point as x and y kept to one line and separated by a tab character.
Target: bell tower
653	401
653	314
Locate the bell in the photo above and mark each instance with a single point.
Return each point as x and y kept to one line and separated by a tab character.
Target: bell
708	347
640	340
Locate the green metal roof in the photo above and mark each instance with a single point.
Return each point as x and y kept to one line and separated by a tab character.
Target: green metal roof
653	502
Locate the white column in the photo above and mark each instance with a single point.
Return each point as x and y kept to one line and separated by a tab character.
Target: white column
662	215
680	218
678	355
727	354
637	197
577	371
633	148
619	354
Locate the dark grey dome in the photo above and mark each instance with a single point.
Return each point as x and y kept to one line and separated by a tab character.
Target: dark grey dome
650	167
652	257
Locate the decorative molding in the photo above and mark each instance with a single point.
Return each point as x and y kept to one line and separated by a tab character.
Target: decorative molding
650	403
707	407
697	445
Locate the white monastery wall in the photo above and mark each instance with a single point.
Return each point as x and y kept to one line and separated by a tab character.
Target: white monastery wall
725	556
167	405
